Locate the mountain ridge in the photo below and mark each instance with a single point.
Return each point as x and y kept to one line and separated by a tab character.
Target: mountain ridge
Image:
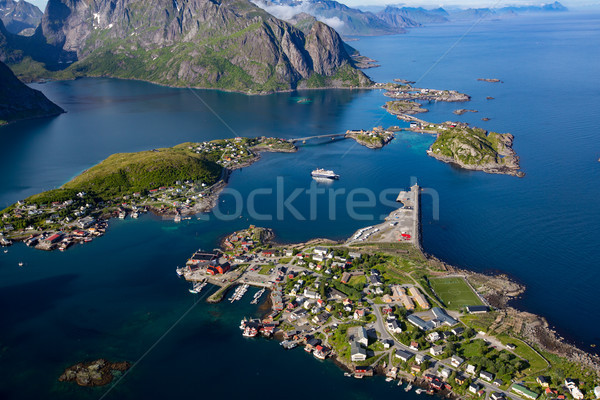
19	15
228	44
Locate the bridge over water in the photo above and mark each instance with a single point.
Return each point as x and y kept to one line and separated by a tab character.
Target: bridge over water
304	139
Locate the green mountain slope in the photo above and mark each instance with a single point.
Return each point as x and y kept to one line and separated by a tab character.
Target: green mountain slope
228	44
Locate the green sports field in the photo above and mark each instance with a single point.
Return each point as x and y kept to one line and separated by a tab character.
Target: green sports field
455	292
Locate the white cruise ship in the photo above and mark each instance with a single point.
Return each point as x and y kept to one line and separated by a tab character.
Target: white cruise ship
323	173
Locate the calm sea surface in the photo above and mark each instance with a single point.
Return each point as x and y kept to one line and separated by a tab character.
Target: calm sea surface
117	296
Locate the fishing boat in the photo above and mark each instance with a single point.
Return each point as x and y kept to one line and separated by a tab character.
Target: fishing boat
250	331
179	271
197	287
408	387
257	296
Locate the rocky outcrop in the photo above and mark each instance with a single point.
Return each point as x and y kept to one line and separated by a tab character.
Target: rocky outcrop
95	373
19	15
462	111
402	107
231	44
18	101
477	149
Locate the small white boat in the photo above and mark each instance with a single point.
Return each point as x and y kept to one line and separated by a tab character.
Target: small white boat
388	379
347	374
20	264
419	391
5	251
408	387
197	287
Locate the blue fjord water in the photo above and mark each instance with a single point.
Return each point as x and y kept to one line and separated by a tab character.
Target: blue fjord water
118	295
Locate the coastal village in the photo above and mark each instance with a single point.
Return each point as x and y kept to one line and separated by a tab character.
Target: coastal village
51	222
60	218
375	306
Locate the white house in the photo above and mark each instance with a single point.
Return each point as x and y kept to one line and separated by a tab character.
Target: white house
321	250
473	388
433	337
471	369
436	350
446	372
486	376
358	334
357	352
456	361
393	326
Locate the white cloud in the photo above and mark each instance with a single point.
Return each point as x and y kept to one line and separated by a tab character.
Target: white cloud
287	12
333	22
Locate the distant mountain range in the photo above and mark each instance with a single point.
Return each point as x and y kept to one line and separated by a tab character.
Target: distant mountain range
231	44
374	20
19	15
18	101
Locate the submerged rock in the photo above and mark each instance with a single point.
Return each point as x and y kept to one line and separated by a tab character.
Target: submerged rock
95	373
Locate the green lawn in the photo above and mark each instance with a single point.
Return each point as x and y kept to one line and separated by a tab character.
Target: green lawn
357	279
455	292
264	270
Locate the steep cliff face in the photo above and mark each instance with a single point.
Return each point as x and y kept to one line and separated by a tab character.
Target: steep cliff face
19	15
18	101
229	44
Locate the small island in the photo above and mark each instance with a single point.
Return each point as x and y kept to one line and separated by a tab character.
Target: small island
399	107
490	80
407	92
373	139
462	111
475	149
95	373
173	182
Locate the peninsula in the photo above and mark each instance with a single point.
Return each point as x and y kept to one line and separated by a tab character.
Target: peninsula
376	304
175	182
